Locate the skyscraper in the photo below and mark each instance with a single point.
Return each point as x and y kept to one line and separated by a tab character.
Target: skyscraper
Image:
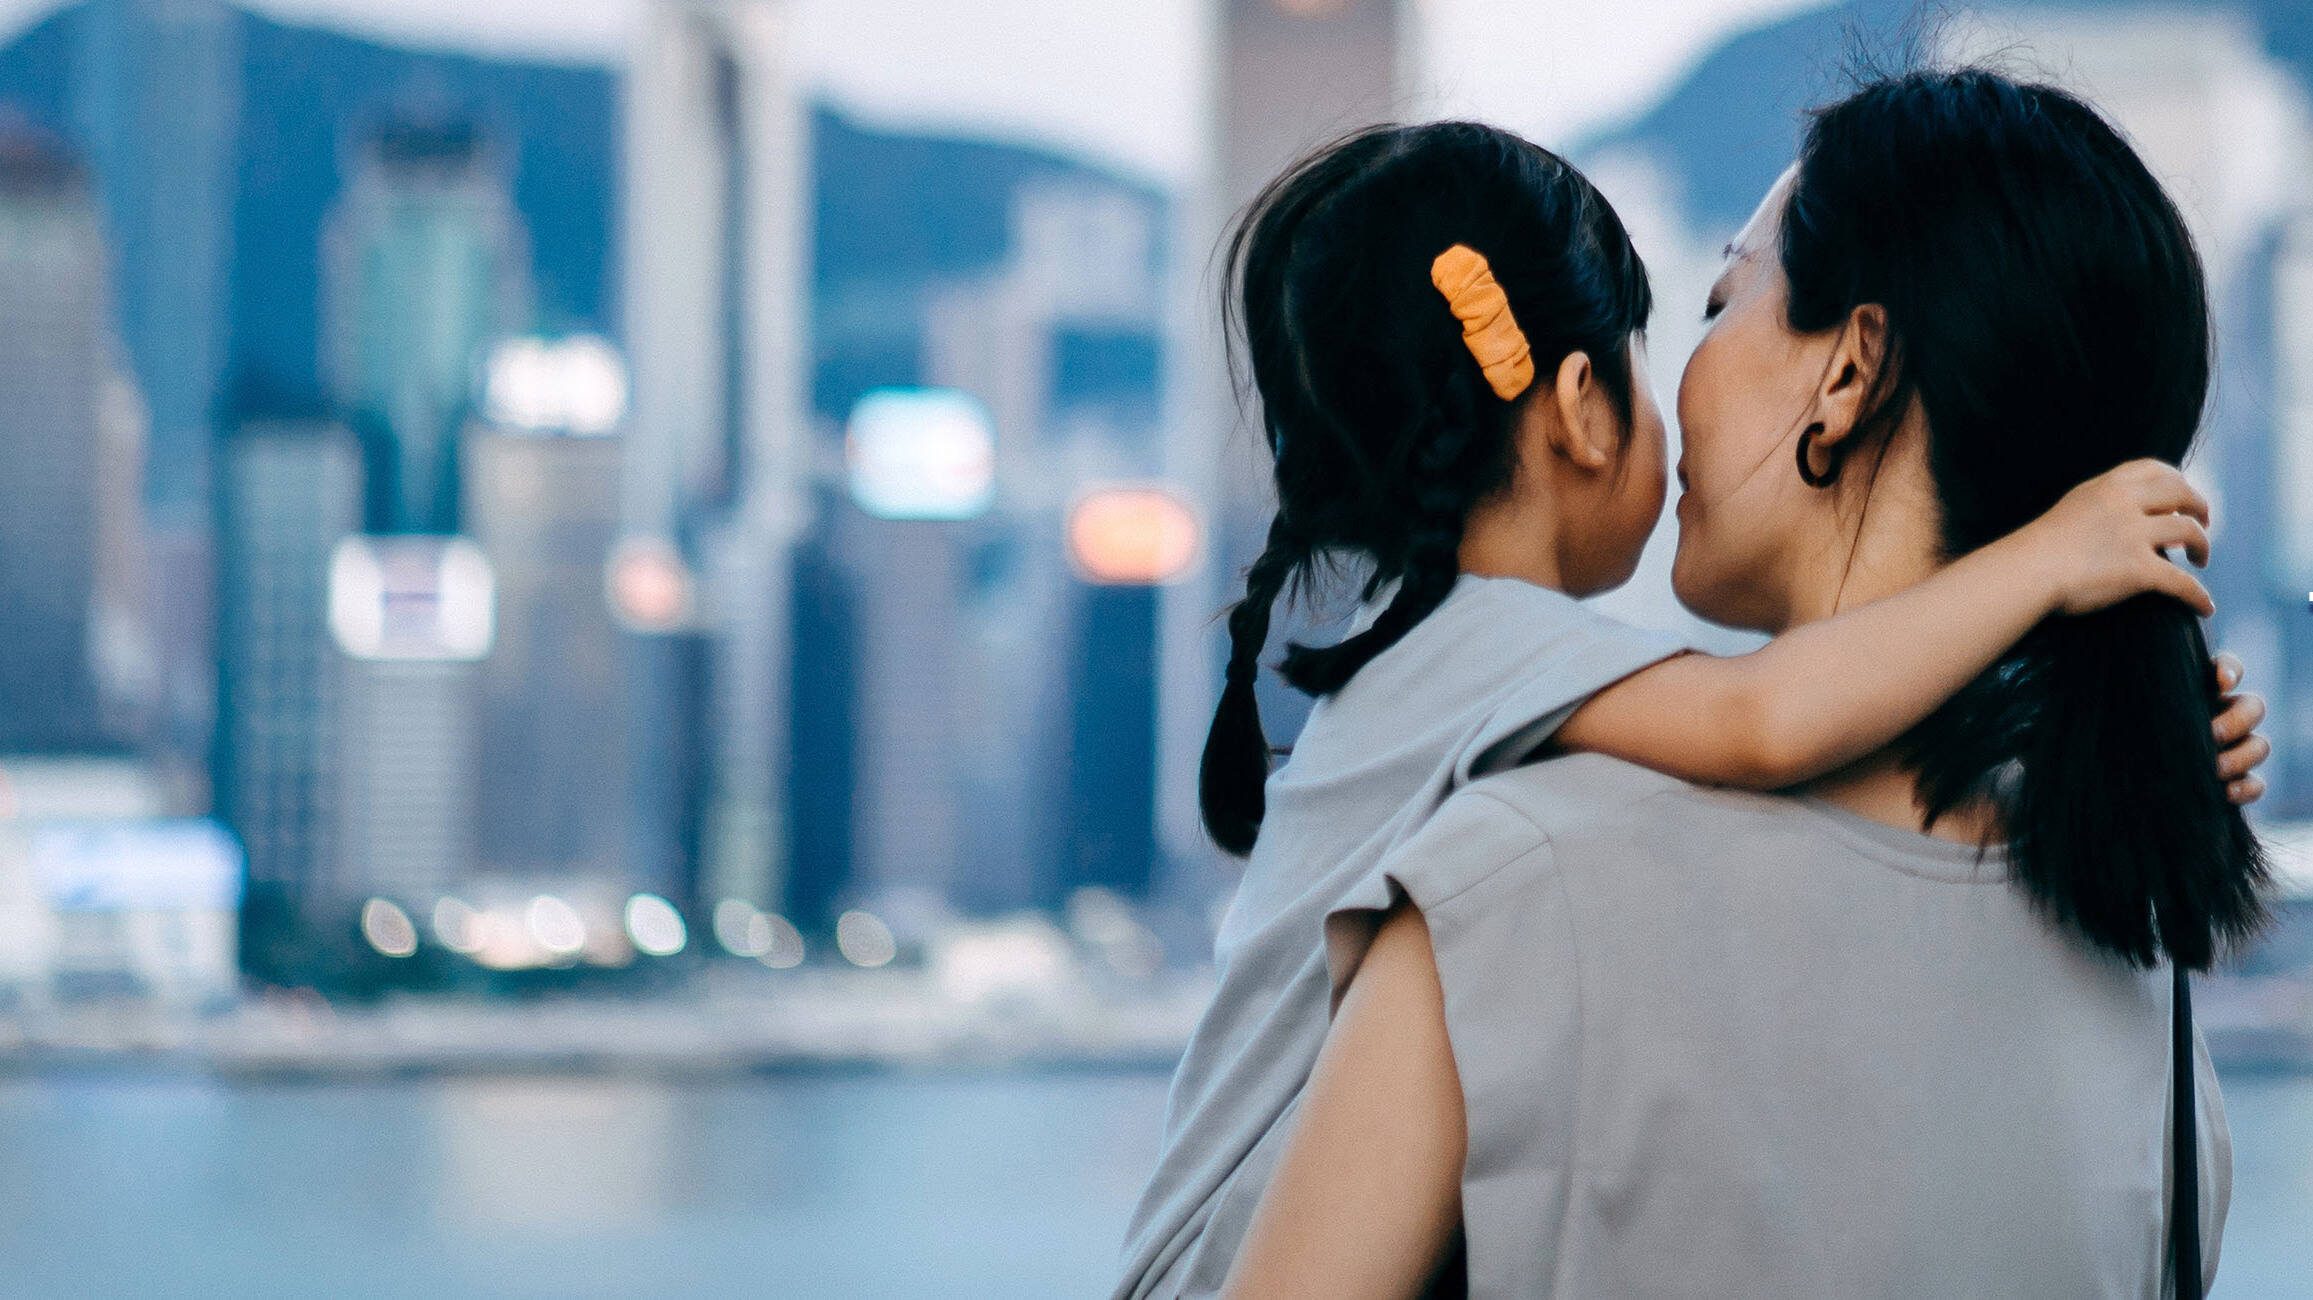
915	681
425	265
289	492
716	193
56	368
543	506
1107	820
156	103
412	617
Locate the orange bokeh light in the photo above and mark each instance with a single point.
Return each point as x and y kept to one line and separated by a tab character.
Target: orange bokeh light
649	586
1132	536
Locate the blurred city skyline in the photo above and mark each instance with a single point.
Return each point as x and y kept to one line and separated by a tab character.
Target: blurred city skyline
649	477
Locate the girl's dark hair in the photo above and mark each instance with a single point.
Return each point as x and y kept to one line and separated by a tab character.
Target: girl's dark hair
1383	428
2046	309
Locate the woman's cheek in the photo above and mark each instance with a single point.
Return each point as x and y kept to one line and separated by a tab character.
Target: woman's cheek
1696	384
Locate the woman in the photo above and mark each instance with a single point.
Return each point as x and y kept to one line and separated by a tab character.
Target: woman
1443	325
1901	1035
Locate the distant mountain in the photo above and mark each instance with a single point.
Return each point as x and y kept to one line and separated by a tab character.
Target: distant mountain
34	71
1733	125
896	215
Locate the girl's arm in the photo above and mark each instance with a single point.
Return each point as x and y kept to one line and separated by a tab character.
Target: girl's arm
1828	693
1367	1198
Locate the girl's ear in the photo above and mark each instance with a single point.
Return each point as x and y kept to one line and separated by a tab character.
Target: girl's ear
1588	430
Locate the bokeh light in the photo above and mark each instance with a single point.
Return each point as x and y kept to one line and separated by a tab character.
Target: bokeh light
648	585
654	926
575	385
864	940
457	926
556	925
387	928
743	931
783	947
921	453
407	597
1132	536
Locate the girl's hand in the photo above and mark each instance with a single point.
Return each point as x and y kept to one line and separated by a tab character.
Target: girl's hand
2240	750
2102	543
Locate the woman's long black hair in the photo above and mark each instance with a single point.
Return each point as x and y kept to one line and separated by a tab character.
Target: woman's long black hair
2047	310
1384	431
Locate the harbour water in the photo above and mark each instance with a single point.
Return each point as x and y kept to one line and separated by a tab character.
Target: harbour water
815	1185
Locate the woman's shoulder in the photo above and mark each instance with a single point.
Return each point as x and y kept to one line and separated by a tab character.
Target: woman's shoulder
1572	793
1606	814
1517	817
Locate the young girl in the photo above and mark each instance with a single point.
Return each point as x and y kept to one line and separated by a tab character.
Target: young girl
1443	326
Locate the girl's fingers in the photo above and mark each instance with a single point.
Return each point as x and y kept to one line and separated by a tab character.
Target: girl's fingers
2165	490
2184	532
2243	758
2246	791
2240	716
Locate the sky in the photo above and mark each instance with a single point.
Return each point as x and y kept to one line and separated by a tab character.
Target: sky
1120	82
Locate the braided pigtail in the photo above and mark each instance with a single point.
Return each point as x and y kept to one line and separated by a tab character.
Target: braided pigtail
1454	466
1236	761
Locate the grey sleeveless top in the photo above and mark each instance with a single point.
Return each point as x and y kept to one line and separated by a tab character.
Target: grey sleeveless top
1723	1044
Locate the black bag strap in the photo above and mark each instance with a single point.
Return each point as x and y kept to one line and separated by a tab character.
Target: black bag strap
2184	1201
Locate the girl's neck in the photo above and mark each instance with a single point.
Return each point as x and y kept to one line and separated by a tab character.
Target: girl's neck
1513	536
1541	570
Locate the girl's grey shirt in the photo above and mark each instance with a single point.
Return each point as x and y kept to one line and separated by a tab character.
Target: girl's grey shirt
1723	1044
1483	680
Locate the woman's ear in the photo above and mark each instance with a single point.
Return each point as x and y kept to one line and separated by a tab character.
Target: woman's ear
1851	379
1588	432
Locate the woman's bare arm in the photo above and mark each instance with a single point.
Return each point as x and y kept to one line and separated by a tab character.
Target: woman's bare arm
1367	1201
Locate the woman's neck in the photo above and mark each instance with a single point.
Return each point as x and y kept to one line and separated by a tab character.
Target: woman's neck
1881	542
1882	789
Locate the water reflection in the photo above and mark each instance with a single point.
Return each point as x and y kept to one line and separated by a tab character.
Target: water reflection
835	1185
553	1153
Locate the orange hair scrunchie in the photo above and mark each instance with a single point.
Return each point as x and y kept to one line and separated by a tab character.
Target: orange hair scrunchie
1491	333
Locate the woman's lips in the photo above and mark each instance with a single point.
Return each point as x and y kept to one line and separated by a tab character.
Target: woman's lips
1682	473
